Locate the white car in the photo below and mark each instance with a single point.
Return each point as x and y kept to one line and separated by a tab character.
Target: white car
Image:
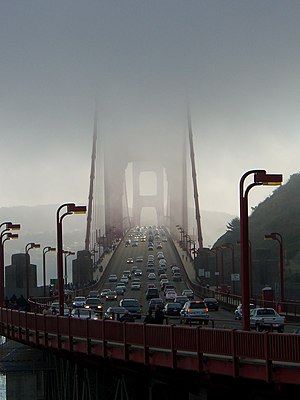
79	301
152	276
112	278
83	313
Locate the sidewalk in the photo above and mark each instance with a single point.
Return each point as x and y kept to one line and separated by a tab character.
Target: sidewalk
188	263
102	266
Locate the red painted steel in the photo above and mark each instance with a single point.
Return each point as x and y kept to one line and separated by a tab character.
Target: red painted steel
264	356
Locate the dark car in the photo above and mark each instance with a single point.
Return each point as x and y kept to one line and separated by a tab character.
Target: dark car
211	303
133	306
172	309
157	301
151	293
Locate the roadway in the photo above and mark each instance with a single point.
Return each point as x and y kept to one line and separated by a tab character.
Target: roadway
117	263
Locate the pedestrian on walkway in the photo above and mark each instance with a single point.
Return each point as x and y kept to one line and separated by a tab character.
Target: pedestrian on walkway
149	319
159	316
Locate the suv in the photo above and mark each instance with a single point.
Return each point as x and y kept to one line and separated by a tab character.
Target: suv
133	306
194	311
152	293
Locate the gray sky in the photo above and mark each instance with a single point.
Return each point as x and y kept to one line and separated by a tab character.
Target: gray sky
237	61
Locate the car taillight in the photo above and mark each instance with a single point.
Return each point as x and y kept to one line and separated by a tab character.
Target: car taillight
189	310
206	309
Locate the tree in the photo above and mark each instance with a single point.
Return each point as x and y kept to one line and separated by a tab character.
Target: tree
233	225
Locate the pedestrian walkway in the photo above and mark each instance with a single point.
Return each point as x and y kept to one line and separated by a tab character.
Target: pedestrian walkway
188	263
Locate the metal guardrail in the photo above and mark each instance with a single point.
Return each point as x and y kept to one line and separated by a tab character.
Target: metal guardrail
270	356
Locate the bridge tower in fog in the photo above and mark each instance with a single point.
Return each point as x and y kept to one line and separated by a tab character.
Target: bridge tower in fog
121	164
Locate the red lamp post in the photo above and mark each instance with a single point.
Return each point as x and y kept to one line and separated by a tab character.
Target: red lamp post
28	247
5	232
71	208
278	237
67	254
46	250
260	178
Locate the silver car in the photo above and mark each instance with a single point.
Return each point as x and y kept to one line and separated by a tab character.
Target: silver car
194	311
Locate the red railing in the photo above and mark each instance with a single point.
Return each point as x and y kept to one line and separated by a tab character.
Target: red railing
264	356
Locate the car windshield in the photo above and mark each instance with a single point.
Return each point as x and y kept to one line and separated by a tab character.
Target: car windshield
92	301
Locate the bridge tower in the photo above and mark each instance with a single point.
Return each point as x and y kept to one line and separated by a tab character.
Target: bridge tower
165	156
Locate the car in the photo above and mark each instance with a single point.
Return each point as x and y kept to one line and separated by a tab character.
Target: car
238	311
84	313
189	293
181	299
172	309
135	285
124	279
151	285
161	271
138	272
93	293
156	301
111	296
55	309
120	290
112	278
121	285
152	293
152	276
127	273
104	292
266	318
139	259
78	302
163	282
177	277
212	303
93	303
175	269
169	286
129	260
170	295
150	268
133	306
114	313
194	311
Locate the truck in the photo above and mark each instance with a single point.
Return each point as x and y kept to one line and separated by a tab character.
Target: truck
266	318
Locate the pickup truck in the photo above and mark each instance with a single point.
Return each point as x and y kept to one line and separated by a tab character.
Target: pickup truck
266	319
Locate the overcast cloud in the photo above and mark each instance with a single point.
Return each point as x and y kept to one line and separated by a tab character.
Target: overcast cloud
237	61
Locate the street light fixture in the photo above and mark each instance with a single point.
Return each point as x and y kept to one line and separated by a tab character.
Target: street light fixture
260	178
278	237
28	247
5	232
46	250
67	254
71	208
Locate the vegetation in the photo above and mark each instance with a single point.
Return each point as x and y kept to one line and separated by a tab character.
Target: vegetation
280	213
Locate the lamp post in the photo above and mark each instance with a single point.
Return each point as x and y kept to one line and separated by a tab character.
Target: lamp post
28	247
46	250
71	208
231	247
67	254
260	178
8	235
278	237
214	250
